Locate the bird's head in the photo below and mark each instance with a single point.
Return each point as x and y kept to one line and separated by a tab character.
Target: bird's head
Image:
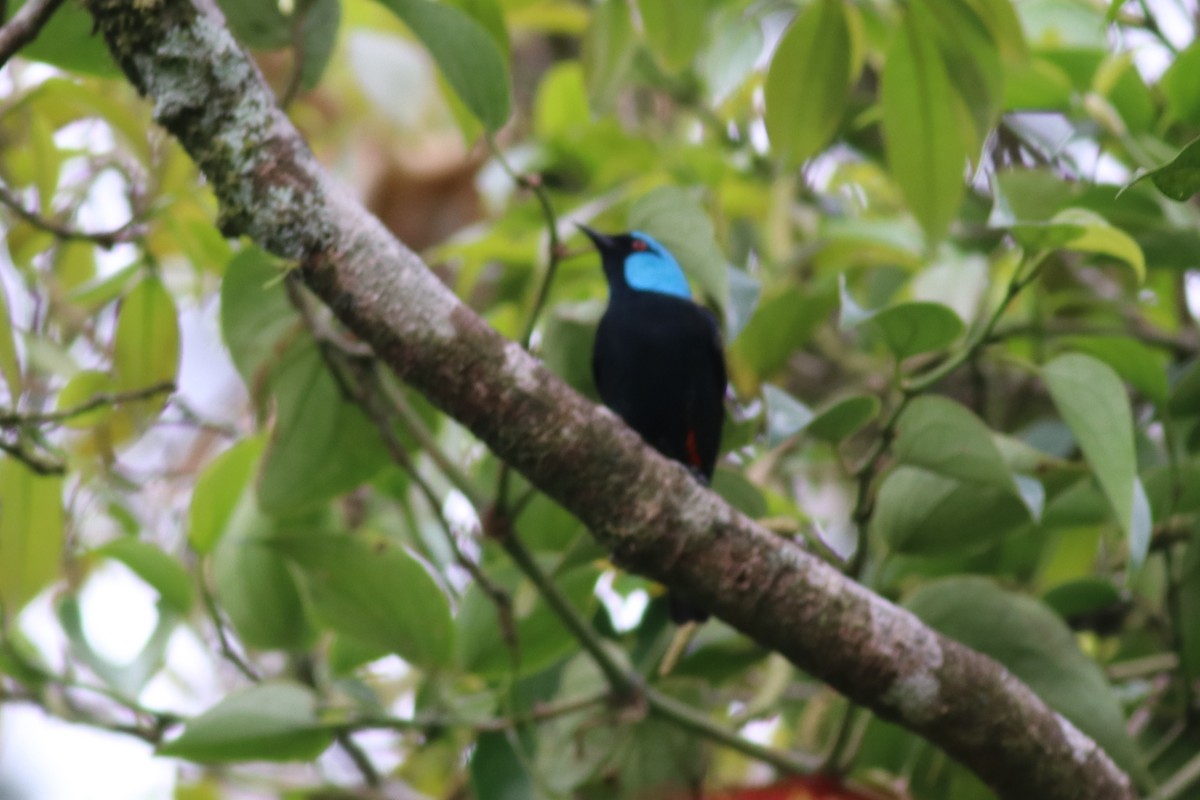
639	262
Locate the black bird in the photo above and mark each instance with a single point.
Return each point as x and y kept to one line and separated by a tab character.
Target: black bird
658	360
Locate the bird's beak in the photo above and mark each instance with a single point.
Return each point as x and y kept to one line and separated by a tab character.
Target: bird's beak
603	243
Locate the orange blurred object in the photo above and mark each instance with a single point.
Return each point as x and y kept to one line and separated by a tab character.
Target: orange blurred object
807	787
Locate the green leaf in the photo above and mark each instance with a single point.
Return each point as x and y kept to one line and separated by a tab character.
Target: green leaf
567	340
253	582
69	40
1181	86
218	490
1180	178
1082	231
1036	645
907	328
1189	608
739	492
925	149
1093	403
255	316
101	291
146	343
1082	596
163	573
490	15
319	35
972	58
372	590
744	293
130	678
1144	368
923	513
31	533
942	436
1185	394
844	417
808	82
917	327
672	216
726	64
82	387
268	722
542	638
497	773
850	313
786	416
608	52
466	53
674	30
782	324
259	24
1100	237
321	445
561	107
10	365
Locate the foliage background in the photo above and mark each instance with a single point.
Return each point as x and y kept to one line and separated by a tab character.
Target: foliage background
960	340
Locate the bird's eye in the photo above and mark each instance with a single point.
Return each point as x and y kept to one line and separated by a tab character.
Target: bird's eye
639	245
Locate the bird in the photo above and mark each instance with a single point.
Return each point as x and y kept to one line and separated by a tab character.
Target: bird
658	361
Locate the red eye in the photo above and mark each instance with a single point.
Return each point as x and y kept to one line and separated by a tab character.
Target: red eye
638	244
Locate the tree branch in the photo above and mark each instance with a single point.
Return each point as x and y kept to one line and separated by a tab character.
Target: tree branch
23	28
646	510
106	239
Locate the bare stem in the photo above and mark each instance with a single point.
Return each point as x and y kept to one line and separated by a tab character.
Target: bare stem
128	232
23	28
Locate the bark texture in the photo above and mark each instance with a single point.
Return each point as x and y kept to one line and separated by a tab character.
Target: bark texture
647	511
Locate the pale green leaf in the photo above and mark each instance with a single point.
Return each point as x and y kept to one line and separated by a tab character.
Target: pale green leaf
917	327
31	533
82	387
372	590
146	345
808	83
674	30
942	436
1093	403
608	52
1180	178
321	445
218	491
10	365
923	140
269	722
467	54
163	573
786	416
1039	649
254	583
844	417
925	513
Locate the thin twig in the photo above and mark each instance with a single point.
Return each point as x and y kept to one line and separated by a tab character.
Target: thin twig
95	402
361	760
541	712
667	707
128	232
35	462
23	28
227	651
